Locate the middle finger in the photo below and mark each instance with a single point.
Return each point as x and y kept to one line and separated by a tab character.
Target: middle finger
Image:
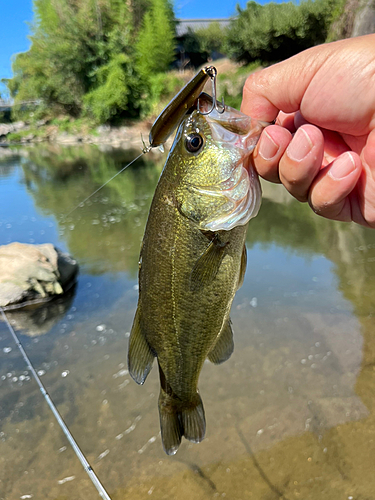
302	161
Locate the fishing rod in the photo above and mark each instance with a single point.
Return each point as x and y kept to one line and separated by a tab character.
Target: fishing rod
79	453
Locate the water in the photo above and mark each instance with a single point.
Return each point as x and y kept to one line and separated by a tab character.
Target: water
290	415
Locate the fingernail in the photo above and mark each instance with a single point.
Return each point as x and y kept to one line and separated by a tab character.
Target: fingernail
342	167
267	147
300	146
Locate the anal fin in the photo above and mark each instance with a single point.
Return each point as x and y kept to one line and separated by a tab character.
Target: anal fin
140	356
224	345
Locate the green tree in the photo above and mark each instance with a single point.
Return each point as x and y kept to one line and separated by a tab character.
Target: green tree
156	39
211	38
71	41
273	32
119	91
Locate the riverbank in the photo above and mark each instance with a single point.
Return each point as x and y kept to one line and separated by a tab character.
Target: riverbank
68	131
125	136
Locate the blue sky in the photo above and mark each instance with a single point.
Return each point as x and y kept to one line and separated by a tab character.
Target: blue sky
15	14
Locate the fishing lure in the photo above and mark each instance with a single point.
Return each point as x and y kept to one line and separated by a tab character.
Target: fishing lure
172	114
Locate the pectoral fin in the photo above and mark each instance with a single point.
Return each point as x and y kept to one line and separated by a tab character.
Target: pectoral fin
208	264
224	345
140	356
243	267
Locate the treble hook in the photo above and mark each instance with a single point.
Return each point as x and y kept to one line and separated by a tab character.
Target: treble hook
212	72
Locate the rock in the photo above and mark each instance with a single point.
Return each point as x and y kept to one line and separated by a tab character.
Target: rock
103	129
28	138
33	273
41	123
65	138
7	128
364	22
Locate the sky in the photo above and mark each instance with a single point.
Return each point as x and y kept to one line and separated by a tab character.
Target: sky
16	14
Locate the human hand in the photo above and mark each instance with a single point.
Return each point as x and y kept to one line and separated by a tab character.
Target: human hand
322	147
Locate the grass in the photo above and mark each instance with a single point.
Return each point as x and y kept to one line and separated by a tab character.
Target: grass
83	126
20	134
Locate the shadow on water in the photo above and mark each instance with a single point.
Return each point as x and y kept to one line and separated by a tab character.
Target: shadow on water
290	415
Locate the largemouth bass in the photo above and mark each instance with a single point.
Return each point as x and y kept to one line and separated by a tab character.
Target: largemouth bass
192	262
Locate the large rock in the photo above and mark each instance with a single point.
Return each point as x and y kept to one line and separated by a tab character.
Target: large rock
364	22
33	273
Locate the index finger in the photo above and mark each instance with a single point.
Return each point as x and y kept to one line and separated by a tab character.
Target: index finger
283	85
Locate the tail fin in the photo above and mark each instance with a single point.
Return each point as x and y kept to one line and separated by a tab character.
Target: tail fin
180	418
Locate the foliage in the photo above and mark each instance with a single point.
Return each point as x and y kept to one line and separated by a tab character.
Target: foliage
163	87
210	39
191	45
108	59
201	43
82	58
5	117
274	32
156	43
119	92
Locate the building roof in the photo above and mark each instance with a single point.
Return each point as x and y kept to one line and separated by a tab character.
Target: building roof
183	25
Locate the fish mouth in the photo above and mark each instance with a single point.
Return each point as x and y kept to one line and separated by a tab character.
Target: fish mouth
231	126
235	197
241	189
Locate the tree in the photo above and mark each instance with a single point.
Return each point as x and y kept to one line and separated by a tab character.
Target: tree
119	91
156	39
71	41
211	38
273	32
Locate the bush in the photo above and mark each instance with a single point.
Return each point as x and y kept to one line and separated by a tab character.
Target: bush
163	87
119	92
156	39
273	32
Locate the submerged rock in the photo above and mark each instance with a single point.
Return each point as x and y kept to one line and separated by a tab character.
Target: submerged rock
33	273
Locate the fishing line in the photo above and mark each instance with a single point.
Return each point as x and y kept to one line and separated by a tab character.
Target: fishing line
144	151
81	457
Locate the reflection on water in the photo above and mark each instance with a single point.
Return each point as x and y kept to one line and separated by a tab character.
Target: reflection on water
39	319
290	415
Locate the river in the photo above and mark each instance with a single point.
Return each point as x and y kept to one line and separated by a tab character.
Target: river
290	415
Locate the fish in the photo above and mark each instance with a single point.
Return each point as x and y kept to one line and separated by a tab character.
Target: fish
193	260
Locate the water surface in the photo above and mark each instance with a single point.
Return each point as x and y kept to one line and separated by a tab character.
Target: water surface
290	415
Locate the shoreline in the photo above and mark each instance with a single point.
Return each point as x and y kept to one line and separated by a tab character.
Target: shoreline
106	138
125	136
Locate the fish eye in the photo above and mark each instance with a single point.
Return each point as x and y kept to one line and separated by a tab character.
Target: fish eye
194	143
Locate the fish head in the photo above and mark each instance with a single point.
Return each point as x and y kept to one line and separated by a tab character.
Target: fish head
217	187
